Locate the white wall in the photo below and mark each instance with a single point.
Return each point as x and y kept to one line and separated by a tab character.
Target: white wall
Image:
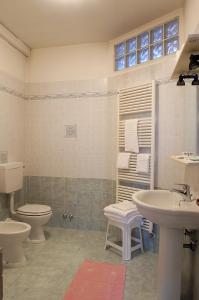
12	61
89	155
76	76
12	75
78	70
191	16
177	130
75	62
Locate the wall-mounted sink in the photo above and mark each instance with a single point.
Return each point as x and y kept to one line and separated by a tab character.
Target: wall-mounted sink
173	214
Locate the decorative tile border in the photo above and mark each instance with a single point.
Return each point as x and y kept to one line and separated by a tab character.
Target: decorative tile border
15	93
11	85
11	91
55	90
80	89
71	95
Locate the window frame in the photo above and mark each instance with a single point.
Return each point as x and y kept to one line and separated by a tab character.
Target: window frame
164	41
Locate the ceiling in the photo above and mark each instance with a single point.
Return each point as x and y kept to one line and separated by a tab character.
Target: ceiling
45	23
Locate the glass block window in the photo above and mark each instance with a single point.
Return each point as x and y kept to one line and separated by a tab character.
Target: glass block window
171	29
131	60
157	34
156	51
149	45
143	40
120	49
120	63
131	45
171	46
143	55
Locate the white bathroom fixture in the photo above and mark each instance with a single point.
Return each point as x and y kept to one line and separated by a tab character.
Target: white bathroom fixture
11	177
186	160
188	165
37	216
11	180
138	100
12	234
173	214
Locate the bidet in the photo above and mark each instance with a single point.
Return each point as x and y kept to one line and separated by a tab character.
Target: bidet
12	234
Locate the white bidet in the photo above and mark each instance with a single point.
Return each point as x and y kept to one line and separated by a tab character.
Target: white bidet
12	234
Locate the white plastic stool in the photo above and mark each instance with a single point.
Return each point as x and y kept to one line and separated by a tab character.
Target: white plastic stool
126	224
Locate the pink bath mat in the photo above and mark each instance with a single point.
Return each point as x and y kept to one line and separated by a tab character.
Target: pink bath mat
97	281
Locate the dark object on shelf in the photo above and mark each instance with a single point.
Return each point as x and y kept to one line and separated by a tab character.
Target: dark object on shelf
194	61
181	78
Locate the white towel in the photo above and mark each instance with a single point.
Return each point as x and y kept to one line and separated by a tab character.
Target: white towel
125	205
131	135
143	163
112	212
123	160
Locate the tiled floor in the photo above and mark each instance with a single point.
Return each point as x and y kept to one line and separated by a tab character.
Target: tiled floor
53	264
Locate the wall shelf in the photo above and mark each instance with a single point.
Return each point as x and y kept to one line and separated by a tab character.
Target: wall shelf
185	159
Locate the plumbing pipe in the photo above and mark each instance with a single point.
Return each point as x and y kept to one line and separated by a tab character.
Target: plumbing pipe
12	205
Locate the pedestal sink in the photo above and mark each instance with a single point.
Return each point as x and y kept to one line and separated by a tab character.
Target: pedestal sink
173	214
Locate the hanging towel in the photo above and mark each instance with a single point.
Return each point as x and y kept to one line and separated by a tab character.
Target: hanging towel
143	163
123	160
131	135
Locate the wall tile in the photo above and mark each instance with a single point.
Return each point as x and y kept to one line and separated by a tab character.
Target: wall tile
46	190
34	189
84	198
58	192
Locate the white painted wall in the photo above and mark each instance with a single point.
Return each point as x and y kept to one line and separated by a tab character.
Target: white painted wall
12	75
191	16
12	61
12	126
89	155
75	62
76	69
93	153
177	130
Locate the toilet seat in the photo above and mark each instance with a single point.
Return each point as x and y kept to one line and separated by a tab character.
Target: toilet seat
34	210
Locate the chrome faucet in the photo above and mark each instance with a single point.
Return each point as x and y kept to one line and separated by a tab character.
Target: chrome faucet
183	190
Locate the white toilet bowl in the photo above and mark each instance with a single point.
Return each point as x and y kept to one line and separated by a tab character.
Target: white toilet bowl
12	234
37	216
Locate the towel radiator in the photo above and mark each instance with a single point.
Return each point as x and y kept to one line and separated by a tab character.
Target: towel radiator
136	102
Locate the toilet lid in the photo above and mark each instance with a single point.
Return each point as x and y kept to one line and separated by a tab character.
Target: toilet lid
34	209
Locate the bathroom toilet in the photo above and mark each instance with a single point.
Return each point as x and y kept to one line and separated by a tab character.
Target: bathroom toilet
36	215
12	235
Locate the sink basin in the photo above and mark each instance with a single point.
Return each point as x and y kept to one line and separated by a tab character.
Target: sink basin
167	209
173	214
